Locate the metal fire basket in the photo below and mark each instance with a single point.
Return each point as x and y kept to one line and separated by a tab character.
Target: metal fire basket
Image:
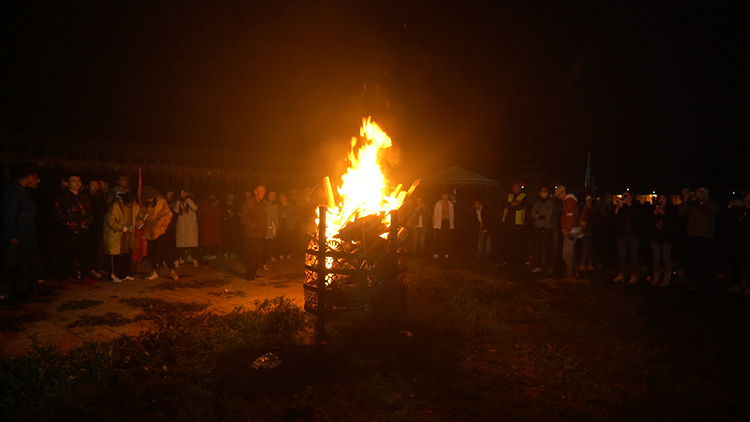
339	282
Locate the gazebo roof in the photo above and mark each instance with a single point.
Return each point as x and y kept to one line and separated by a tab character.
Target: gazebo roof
458	176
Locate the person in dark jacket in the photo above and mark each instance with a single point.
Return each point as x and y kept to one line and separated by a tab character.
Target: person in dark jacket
74	213
483	226
541	231
254	224
663	233
700	210
628	219
738	243
231	231
417	222
19	246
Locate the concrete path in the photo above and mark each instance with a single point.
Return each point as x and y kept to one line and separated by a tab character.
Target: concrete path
225	291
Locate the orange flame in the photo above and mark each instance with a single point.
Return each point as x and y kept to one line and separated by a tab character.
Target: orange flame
364	189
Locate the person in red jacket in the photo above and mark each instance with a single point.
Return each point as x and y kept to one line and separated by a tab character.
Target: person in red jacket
571	227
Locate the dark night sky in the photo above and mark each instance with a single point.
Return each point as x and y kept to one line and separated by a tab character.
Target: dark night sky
657	92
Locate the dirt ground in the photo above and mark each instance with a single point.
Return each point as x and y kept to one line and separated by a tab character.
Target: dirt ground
480	342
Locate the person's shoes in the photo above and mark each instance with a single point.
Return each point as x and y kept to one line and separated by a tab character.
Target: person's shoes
620	278
436	256
89	281
536	270
195	263
582	268
591	268
281	257
289	256
177	263
182	260
633	279
226	255
189	258
664	283
116	279
445	256
265	267
152	276
174	275
95	274
273	259
129	278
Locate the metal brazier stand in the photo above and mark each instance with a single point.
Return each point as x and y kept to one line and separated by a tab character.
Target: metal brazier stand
354	278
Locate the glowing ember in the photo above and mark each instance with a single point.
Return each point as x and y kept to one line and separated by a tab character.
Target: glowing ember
364	189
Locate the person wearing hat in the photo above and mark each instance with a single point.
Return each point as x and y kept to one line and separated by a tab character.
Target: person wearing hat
571	226
156	216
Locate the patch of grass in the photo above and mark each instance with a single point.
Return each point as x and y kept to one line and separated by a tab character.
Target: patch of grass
78	304
159	308
14	322
229	293
169	371
110	319
171	285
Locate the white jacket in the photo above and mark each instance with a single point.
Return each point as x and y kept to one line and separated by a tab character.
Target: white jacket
437	215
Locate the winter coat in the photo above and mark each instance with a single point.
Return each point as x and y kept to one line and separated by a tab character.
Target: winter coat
74	211
737	241
541	212
663	228
186	230
119	215
272	219
701	217
159	217
628	219
437	215
253	219
210	224
571	219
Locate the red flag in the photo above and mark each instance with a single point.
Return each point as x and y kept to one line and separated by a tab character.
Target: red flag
141	249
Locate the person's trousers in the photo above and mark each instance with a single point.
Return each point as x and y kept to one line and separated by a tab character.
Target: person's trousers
661	255
569	253
484	245
269	250
587	254
541	247
253	255
698	260
161	249
627	254
417	241
74	255
119	265
442	238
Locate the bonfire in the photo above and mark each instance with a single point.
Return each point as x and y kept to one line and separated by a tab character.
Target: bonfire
354	257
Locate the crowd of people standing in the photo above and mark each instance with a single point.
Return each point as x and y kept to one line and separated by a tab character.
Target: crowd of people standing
88	233
687	235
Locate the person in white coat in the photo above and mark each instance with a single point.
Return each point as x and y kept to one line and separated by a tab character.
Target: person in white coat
443	221
186	229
